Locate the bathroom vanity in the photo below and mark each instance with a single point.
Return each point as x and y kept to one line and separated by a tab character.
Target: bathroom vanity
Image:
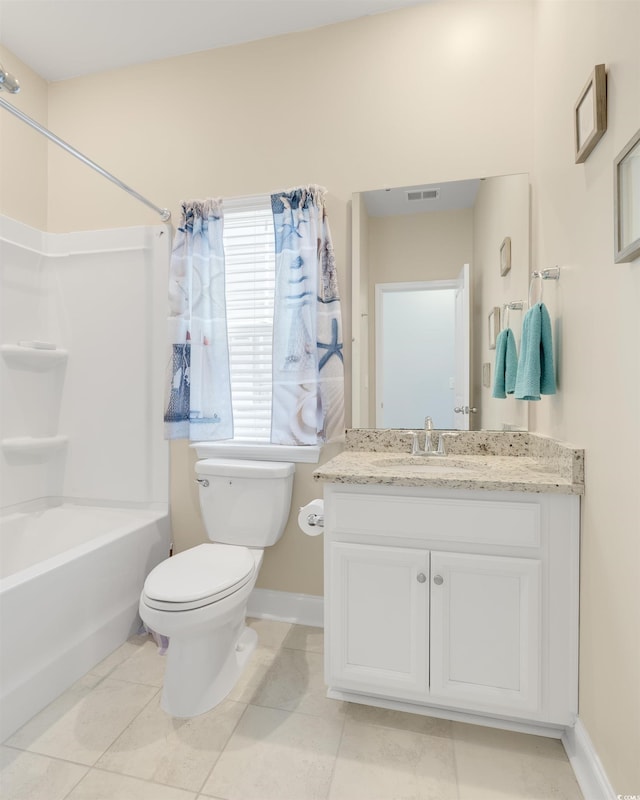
451	583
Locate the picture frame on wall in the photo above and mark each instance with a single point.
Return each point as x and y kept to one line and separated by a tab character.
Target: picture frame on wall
626	201
590	114
486	375
494	327
505	256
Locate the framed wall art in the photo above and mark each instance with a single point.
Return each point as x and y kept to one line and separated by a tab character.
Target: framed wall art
505	256
486	375
626	201
494	327
590	114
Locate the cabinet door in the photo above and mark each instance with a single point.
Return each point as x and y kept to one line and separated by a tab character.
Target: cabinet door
378	601
485	632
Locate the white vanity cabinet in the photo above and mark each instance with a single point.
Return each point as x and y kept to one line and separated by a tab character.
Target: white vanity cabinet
454	602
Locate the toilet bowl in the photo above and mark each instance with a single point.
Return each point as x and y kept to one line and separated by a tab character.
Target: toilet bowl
198	598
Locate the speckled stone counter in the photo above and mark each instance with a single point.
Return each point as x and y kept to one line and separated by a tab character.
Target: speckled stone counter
490	460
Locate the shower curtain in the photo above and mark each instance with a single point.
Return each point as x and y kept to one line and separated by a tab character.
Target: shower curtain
307	359
308	371
198	402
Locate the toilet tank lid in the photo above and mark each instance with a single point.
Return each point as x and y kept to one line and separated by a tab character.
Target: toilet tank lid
238	468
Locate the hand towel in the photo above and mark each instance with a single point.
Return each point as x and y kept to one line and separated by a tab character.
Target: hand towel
506	367
536	375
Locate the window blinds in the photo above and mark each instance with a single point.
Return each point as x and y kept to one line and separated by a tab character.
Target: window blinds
250	286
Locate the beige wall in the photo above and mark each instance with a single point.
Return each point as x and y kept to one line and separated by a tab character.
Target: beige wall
23	152
439	92
325	106
501	209
597	335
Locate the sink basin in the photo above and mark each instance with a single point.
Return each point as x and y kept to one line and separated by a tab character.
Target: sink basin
409	463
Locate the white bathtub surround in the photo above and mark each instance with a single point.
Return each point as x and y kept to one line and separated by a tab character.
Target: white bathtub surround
71	414
83	465
68	595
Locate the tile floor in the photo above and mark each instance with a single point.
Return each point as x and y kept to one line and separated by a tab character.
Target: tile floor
277	737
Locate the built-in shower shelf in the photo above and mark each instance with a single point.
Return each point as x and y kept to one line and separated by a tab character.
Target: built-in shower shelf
30	356
34	445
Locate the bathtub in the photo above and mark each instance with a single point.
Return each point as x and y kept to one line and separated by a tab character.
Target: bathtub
70	581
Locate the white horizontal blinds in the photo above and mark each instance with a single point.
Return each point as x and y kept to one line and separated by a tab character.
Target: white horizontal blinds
250	286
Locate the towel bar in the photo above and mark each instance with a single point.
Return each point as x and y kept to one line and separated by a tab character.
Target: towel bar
549	274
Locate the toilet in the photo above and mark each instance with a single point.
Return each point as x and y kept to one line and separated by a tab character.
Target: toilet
198	598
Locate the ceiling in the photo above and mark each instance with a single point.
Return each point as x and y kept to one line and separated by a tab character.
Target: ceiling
447	196
62	39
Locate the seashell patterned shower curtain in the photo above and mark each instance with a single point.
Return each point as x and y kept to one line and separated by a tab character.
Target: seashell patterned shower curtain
307	365
308	368
198	393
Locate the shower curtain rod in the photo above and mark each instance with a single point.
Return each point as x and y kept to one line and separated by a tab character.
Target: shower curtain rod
165	214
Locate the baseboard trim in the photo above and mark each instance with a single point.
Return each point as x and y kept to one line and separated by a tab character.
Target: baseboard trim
302	609
586	765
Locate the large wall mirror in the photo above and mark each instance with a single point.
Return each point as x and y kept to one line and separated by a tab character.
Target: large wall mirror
422	342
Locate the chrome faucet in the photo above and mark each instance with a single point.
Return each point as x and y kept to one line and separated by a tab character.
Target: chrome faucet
428	435
430	449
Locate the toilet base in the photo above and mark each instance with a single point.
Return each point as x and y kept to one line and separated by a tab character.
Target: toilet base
198	674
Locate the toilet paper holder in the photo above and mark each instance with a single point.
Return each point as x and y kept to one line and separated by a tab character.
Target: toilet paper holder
315	520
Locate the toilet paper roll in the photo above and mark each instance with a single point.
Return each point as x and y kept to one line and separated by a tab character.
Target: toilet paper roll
311	518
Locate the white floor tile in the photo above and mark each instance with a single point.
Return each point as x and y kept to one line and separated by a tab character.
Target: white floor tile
305	637
82	723
389	718
121	654
146	665
295	682
177	752
98	785
290	743
276	755
379	763
30	776
501	765
271	633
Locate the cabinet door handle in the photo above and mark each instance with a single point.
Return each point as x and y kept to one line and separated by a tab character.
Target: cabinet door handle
421	577
438	580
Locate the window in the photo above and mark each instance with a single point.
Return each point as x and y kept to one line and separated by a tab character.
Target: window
250	286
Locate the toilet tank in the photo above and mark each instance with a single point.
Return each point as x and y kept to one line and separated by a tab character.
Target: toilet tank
245	502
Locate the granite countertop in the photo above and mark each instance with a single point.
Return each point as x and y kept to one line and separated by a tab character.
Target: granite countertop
494	461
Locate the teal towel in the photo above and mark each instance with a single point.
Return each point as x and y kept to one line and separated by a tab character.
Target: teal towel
506	367
535	368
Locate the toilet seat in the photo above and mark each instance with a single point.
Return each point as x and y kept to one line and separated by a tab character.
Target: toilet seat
198	577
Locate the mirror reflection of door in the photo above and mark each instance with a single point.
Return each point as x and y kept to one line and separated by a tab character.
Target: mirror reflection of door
416	354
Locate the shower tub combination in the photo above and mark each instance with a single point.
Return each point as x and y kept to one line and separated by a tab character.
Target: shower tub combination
69	590
71	572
